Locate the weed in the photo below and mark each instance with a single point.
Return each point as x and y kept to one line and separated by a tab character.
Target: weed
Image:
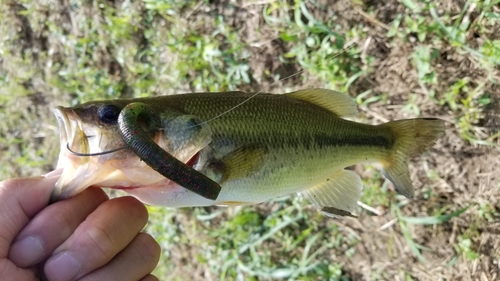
464	248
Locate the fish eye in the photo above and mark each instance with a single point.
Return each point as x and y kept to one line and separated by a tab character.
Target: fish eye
108	113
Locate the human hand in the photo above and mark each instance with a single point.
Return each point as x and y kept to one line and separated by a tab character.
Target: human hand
87	237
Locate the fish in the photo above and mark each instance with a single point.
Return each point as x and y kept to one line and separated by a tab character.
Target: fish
263	146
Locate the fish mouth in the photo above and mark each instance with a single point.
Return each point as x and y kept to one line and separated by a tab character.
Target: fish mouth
81	156
72	138
70	131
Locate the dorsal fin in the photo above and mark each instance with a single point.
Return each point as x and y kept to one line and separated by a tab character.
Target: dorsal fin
338	103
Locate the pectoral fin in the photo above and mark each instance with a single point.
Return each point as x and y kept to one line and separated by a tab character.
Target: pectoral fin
244	161
186	135
338	195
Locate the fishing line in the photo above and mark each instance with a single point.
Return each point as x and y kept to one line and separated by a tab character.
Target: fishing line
94	154
301	71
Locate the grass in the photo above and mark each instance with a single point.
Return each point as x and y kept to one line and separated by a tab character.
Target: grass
398	60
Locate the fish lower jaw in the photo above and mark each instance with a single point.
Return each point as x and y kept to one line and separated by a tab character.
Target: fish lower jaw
76	179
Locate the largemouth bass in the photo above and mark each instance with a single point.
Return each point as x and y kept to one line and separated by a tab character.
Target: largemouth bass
269	146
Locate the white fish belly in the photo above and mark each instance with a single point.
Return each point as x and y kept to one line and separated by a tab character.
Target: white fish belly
273	180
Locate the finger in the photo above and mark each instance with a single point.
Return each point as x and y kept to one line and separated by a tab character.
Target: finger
20	200
104	233
52	226
136	261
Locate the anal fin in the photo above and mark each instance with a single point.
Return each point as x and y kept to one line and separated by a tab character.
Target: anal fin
338	195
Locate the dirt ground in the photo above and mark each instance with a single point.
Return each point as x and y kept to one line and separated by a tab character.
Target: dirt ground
467	174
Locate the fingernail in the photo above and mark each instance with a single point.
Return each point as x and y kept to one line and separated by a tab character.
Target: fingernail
27	251
62	267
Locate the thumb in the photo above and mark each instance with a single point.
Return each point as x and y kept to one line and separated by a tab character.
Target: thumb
21	199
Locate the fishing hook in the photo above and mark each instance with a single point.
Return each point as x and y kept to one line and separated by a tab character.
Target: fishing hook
93	154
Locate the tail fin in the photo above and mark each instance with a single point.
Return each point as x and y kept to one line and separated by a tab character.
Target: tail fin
412	137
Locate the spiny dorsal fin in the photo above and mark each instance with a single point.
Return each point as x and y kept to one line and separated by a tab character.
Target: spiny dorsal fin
340	104
338	195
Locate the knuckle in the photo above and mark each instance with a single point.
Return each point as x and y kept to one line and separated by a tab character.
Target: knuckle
101	244
148	250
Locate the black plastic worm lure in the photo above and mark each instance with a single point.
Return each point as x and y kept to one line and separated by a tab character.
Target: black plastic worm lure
132	121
